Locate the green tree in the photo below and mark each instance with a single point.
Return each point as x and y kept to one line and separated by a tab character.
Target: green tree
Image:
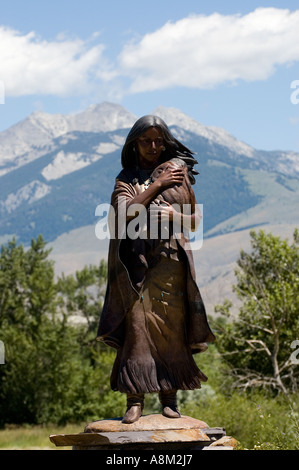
27	302
257	344
54	371
27	288
82	295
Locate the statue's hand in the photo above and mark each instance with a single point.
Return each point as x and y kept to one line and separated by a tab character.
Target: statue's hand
170	176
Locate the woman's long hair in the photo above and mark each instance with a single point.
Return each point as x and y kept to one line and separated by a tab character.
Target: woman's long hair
173	148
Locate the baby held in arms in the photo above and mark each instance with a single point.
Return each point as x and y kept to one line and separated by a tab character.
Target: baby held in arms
174	204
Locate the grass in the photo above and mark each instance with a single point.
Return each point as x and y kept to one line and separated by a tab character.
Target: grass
34	437
258	425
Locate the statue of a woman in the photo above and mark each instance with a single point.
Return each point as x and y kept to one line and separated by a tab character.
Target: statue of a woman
153	312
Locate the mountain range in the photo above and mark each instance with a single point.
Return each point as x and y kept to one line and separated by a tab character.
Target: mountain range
55	170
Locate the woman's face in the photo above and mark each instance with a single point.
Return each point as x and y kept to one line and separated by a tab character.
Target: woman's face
150	145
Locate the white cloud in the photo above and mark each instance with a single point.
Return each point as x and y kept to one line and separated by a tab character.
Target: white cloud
195	52
31	65
204	51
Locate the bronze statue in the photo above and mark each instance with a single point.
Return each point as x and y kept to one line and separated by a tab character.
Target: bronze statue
153	312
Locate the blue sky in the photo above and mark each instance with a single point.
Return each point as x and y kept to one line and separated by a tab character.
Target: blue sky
228	64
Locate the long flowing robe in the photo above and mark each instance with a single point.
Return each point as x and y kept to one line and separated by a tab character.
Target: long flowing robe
153	312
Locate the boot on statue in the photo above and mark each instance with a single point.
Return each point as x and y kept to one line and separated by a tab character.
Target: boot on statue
135	403
169	404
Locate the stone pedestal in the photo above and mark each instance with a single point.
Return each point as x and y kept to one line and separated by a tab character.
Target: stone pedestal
152	432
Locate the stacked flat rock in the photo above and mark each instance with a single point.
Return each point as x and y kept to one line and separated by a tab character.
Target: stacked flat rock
149	432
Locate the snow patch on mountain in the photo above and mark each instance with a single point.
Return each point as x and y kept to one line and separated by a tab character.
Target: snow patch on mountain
118	139
51	125
29	193
29	139
104	117
288	163
175	117
66	163
41	134
106	147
